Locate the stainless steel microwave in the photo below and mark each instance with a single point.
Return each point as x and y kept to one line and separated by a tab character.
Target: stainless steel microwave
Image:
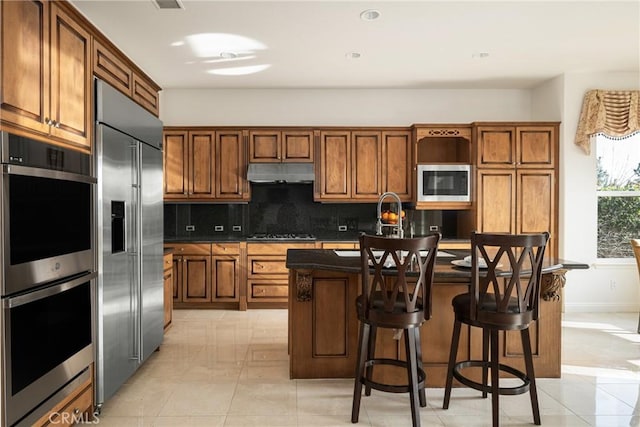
444	183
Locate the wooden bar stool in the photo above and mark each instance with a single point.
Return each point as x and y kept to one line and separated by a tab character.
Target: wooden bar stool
503	296
390	300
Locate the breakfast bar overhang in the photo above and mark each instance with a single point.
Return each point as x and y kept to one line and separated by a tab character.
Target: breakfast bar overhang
323	325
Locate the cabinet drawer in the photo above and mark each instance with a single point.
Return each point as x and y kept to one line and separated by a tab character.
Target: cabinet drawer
225	248
74	412
267	265
190	248
167	262
272	290
276	248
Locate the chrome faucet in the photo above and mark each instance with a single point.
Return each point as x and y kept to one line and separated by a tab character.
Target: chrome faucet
379	225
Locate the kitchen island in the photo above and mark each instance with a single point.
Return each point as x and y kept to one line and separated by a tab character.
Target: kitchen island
323	326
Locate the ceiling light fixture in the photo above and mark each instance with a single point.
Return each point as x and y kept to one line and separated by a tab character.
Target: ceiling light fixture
369	15
228	55
353	55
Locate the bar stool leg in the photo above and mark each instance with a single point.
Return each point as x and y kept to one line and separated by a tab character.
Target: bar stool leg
528	360
495	376
357	388
485	359
412	368
423	396
452	361
371	353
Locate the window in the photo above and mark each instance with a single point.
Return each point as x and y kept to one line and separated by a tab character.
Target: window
618	191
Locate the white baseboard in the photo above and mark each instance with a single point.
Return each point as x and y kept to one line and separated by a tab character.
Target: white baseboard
600	308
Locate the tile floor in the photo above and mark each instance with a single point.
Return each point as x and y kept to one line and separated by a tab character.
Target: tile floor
230	368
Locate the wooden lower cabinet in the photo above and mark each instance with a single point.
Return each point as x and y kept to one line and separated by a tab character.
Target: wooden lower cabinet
323	332
205	275
76	408
168	289
267	273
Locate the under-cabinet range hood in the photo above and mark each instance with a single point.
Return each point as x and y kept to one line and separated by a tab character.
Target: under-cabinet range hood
280	172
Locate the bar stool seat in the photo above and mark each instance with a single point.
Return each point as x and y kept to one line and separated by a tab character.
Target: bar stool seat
391	300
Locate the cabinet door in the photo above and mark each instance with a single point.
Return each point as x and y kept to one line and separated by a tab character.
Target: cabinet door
536	146
168	297
145	93
196	278
225	278
264	146
111	68
496	146
396	170
176	165
70	79
366	165
297	146
231	165
536	204
176	277
201	163
496	191
24	92
335	165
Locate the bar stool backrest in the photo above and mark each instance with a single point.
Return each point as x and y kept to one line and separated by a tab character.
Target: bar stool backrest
397	276
507	292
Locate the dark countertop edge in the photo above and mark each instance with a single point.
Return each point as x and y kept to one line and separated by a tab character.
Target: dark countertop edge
245	239
326	259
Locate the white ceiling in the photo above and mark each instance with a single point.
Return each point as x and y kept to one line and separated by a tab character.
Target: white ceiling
414	44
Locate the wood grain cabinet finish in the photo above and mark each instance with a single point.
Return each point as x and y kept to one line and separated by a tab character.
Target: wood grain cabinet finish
225	272
362	164
231	166
267	272
516	180
275	146
167	264
192	272
46	80
76	407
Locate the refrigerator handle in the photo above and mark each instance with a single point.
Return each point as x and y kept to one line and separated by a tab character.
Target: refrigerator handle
134	221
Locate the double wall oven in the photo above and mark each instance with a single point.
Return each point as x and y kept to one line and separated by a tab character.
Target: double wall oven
47	280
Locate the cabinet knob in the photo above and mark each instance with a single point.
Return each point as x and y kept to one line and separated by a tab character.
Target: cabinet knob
56	124
76	411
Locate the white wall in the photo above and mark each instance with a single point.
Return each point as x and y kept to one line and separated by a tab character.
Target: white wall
604	287
559	99
335	107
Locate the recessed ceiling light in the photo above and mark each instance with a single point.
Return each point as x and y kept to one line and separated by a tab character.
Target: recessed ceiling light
228	55
480	55
369	15
353	55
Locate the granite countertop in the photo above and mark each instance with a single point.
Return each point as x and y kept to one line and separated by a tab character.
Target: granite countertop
327	259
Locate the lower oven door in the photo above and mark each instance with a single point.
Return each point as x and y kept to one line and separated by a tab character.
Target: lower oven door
47	342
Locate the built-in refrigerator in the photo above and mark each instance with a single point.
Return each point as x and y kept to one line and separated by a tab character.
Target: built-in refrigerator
129	307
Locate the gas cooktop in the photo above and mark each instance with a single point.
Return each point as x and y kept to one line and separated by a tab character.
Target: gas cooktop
281	236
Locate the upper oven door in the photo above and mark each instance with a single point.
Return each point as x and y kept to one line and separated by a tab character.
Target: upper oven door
47	226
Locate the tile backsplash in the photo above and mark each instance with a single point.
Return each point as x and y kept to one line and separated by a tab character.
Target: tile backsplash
285	208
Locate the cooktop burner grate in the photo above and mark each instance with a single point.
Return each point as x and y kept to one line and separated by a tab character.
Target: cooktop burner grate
282	236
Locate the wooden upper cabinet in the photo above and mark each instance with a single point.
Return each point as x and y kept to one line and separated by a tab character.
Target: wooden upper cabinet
176	165
25	64
46	78
274	146
333	174
366	164
145	93
397	164
496	146
536	146
526	146
231	166
112	68
70	79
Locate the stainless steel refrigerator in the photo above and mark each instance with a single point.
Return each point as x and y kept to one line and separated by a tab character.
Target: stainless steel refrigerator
129	308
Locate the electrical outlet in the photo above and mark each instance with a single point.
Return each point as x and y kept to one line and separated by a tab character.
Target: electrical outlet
236	228
191	228
218	228
433	228
342	228
612	284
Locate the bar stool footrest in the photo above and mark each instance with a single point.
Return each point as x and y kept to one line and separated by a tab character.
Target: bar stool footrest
391	388
485	388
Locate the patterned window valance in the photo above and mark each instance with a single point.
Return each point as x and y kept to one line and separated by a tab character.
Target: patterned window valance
610	112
